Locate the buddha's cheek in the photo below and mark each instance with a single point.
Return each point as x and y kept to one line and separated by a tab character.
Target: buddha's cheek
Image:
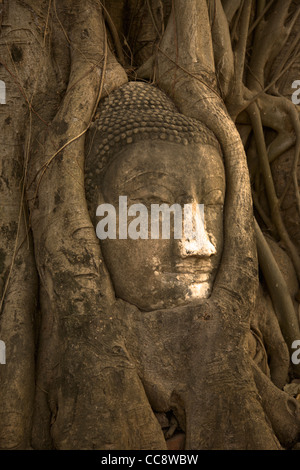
136	268
214	223
144	274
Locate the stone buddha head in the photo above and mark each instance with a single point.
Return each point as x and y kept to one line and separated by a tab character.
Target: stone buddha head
140	147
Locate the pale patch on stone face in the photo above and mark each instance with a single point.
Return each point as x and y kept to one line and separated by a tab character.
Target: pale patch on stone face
194	247
199	291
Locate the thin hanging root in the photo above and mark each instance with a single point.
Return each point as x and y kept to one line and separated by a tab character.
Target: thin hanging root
292	51
260	17
264	45
48	163
236	22
47	22
285	109
294	175
279	293
115	35
255	117
153	20
262	213
240	51
281	147
230	8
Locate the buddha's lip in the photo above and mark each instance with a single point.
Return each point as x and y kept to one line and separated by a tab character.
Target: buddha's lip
195	276
206	268
190	277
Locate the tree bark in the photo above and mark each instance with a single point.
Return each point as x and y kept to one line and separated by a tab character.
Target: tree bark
86	370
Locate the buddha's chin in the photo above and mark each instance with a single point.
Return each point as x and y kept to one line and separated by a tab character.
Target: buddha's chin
200	290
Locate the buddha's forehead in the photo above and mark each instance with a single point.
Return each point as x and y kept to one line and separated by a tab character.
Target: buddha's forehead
173	164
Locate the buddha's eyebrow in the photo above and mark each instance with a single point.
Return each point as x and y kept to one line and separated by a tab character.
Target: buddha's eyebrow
150	173
213	182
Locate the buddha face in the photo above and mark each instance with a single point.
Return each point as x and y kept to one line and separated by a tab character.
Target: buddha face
161	273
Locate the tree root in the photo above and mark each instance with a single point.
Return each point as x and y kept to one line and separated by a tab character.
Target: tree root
282	410
255	117
280	295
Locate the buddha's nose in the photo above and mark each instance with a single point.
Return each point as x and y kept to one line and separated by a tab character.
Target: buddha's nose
194	247
195	241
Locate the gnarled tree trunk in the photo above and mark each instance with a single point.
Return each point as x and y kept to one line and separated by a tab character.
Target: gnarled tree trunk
84	369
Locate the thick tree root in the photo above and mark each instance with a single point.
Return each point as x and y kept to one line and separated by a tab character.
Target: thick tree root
282	410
